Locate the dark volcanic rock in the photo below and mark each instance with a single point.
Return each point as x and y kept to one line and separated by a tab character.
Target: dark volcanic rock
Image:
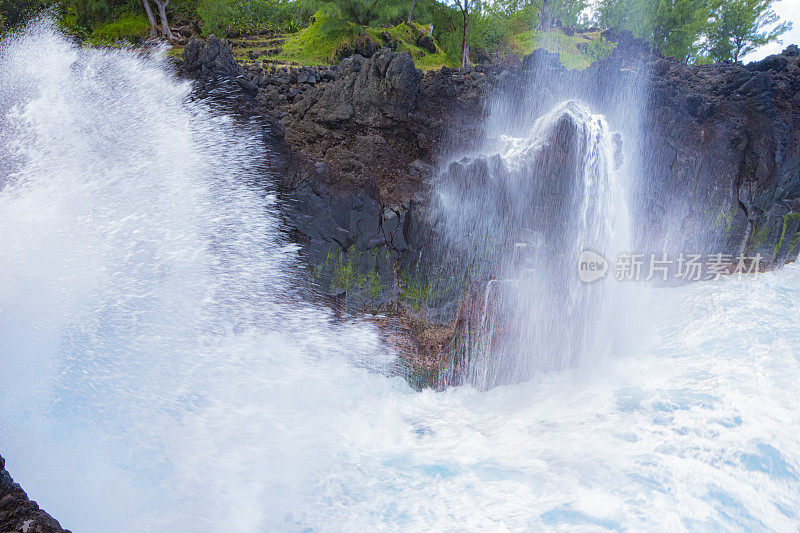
211	57
375	117
211	61
726	153
18	514
363	140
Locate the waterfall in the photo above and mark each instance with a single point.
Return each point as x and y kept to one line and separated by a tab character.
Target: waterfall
525	211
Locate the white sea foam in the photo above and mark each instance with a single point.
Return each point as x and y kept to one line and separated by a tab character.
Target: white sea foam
158	374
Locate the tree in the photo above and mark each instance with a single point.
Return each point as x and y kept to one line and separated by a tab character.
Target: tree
162	12
544	18
739	27
548	12
464	6
13	12
678	26
564	12
88	12
215	14
360	11
371	12
633	15
150	17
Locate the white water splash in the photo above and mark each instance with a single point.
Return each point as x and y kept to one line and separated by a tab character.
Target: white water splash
155	374
532	206
149	322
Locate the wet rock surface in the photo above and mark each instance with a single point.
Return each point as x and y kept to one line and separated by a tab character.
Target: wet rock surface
727	137
363	142
18	514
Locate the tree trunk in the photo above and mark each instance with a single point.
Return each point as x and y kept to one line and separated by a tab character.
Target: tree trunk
544	21
410	10
151	18
464	45
162	12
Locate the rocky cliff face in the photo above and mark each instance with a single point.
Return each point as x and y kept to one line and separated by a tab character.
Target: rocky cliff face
18	514
363	141
725	140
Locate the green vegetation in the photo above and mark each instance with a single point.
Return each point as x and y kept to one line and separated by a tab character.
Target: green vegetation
418	293
576	51
407	37
346	271
759	237
13	12
786	218
128	27
723	218
696	31
252	16
328	35
434	32
738	27
317	44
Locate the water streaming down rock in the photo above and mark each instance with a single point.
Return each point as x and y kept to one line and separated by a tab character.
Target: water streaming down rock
523	214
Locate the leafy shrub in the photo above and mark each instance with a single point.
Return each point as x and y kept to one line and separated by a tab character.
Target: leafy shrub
576	51
406	37
216	15
490	34
251	15
329	34
243	16
599	49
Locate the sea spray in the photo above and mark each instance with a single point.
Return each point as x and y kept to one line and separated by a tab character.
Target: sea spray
157	371
150	323
525	212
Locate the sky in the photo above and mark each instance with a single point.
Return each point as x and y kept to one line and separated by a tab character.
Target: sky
786	10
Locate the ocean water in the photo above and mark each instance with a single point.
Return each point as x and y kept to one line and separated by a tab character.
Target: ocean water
158	372
697	431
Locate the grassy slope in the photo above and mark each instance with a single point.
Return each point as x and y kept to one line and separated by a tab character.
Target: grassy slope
128	27
318	43
405	34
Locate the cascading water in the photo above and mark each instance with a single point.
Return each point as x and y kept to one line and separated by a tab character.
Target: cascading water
159	373
528	211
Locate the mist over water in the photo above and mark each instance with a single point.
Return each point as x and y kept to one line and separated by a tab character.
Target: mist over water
525	213
159	370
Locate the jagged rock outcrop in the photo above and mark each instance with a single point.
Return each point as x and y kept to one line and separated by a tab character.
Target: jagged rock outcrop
211	62
18	514
370	119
